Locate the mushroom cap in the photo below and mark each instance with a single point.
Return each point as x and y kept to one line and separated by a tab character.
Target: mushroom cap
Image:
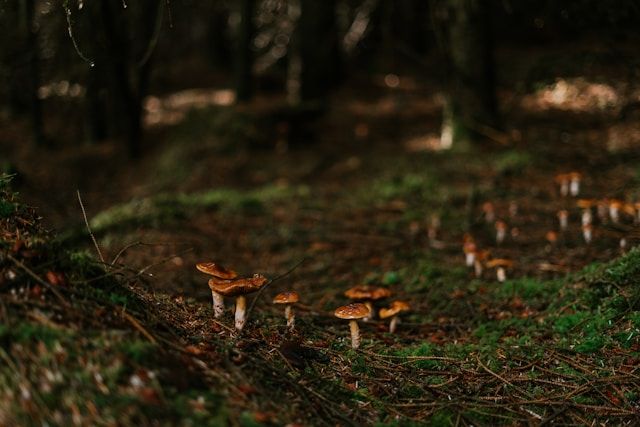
482	254
500	225
499	262
352	311
574	175
364	292
238	286
615	203
487	207
288	297
585	203
629	209
216	270
469	247
395	308
563	213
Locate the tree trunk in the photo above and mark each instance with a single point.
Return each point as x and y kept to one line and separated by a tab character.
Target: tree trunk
471	105
244	52
319	54
34	73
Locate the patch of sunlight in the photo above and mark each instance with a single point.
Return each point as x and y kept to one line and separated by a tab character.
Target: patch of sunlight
62	88
173	108
576	94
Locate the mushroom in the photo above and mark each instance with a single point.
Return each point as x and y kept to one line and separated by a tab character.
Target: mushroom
489	212
394	312
352	313
623	244
220	272
552	237
501	231
501	265
288	299
469	249
629	209
574	184
585	205
238	288
614	210
513	209
367	294
563	218
563	181
587	233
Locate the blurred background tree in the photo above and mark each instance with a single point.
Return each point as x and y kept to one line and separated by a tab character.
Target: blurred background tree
81	70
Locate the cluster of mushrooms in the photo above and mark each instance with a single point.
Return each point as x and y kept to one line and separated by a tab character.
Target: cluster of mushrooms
225	282
608	211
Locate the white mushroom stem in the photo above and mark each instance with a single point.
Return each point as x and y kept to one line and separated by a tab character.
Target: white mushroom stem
369	316
500	235
355	334
218	304
564	221
586	217
614	213
470	258
564	187
288	314
241	309
586	233
393	324
574	187
501	274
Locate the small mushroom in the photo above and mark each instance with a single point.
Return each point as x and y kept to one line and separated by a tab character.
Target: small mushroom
220	272
489	212
563	181
602	209
586	205
352	313
574	183
394	312
501	231
469	249
367	294
513	209
629	209
614	210
563	218
238	287
288	299
623	244
500	265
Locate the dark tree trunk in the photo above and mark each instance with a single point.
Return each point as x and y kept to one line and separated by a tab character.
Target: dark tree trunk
244	51
96	117
465	36
34	73
319	53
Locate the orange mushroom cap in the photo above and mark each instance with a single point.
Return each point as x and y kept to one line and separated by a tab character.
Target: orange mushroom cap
216	270
288	297
499	262
352	311
395	308
364	292
239	286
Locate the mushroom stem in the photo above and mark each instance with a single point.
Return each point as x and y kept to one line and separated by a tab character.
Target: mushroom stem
501	274
355	334
393	324
241	308
477	266
218	304
369	316
291	318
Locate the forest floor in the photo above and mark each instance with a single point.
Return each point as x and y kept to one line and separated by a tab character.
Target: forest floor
132	340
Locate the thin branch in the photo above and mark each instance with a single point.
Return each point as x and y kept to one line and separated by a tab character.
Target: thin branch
86	222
